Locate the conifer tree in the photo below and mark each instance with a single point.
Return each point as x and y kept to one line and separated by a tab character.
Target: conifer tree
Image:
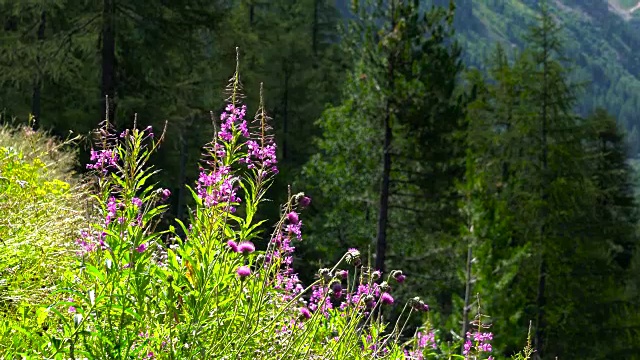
390	154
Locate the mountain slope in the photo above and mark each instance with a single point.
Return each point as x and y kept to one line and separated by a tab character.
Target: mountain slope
602	40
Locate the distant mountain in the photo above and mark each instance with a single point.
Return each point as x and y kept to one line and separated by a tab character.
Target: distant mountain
602	39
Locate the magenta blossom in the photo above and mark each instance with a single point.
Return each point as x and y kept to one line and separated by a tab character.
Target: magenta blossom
232	245
141	248
386	298
305	201
243	272
246	247
293	218
305	313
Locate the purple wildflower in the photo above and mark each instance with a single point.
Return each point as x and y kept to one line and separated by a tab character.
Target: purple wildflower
72	309
137	202
102	160
243	272
112	208
232	245
233	119
217	187
141	248
293	217
246	247
150	130
165	194
305	313
305	201
343	274
386	298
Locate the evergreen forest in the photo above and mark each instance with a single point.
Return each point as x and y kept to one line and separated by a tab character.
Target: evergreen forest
480	154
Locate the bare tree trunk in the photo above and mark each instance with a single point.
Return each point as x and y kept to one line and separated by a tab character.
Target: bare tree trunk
383	214
108	52
285	112
314	30
37	81
467	295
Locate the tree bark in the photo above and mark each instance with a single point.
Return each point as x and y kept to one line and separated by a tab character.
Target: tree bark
37	81
108	53
383	214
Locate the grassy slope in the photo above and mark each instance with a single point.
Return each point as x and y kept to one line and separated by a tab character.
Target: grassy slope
41	211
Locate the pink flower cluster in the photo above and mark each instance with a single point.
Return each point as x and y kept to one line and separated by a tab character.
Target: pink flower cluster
102	160
263	157
232	119
216	187
480	343
424	340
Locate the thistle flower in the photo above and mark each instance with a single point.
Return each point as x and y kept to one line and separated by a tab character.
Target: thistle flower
165	194
343	274
246	247
386	298
353	257
305	201
293	217
376	275
232	245
243	272
336	287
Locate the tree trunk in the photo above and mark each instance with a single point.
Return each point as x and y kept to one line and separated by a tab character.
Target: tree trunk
108	52
314	30
383	214
285	111
37	81
467	295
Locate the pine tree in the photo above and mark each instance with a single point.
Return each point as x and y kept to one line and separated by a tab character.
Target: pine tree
391	152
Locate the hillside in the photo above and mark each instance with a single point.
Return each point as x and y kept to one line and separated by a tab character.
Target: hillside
602	39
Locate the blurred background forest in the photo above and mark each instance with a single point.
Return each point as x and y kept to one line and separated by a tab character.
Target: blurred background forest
483	147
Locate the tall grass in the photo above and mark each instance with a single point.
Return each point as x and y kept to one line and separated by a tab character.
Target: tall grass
42	205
